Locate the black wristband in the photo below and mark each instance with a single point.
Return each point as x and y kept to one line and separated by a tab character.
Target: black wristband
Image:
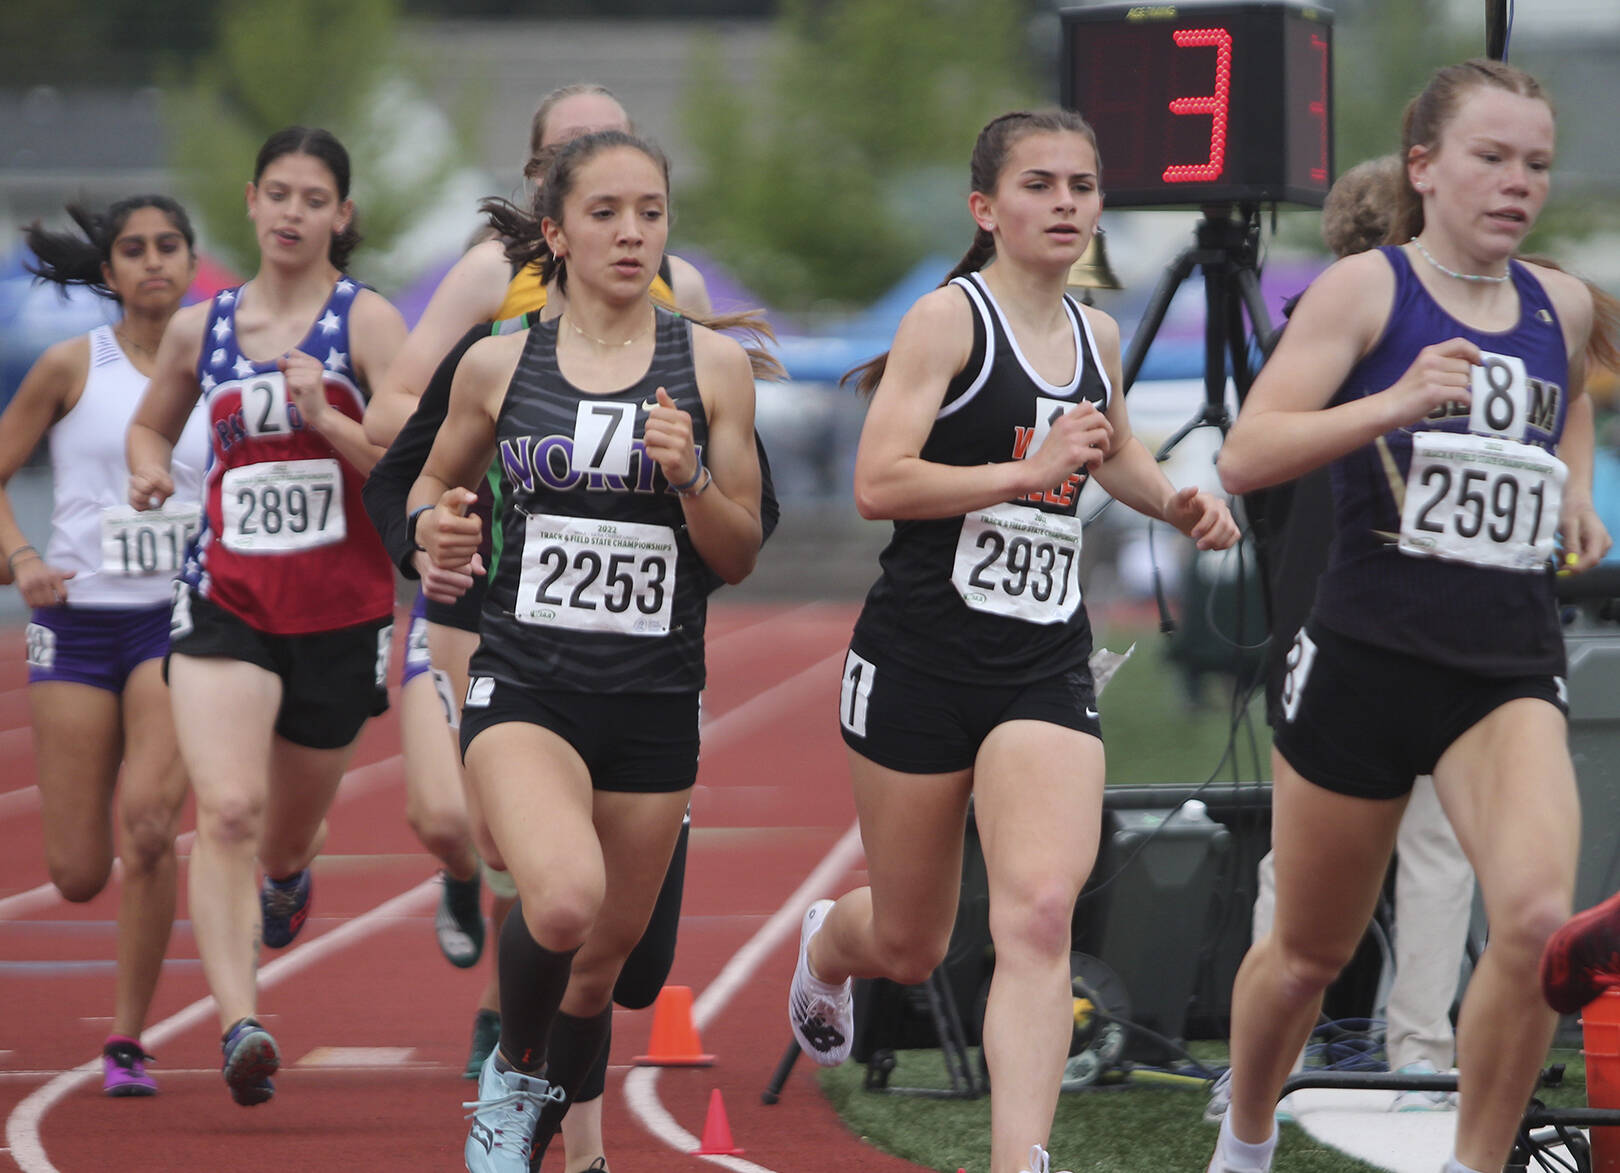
411	519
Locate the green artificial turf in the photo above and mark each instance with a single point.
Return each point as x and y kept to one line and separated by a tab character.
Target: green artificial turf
1130	1127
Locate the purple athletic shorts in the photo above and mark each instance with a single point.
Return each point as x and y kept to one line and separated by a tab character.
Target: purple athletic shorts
95	646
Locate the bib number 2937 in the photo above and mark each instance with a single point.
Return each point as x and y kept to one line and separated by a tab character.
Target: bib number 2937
1020	563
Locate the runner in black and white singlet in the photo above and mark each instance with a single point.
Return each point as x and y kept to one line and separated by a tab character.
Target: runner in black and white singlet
967	675
484	284
100	593
623	435
281	631
1444	383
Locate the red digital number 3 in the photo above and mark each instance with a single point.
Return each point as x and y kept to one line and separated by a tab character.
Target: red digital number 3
1215	105
1318	110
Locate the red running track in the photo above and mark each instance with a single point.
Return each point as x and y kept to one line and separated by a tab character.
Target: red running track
374	1024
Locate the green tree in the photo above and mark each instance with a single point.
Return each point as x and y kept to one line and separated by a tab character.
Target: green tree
98	42
278	63
848	161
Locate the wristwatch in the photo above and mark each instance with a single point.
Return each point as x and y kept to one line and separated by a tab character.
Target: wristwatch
410	525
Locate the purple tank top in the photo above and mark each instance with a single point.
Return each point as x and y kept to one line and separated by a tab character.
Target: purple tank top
1482	619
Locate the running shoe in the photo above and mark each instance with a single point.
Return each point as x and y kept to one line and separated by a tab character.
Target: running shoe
503	1119
251	1058
1582	959
284	905
1220	1097
486	1035
1039	1162
822	1015
123	1068
459	923
1421	1101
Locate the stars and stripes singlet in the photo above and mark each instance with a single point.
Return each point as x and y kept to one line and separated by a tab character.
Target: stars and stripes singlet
286	545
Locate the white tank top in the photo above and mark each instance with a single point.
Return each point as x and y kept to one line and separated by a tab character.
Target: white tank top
120	558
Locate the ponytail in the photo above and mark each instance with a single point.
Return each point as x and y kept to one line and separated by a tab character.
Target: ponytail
67	258
869	374
990	152
526	242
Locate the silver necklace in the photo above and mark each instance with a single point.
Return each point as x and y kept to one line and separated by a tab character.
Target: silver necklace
1486	278
132	344
603	343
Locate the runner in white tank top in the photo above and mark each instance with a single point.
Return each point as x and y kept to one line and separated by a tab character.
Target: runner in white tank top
118	558
100	623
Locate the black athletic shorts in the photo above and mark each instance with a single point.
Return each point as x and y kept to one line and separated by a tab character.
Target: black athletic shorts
331	681
917	723
641	742
464	612
1366	721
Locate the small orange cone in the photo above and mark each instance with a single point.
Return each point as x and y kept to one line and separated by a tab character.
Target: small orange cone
674	1037
716	1131
1600	1030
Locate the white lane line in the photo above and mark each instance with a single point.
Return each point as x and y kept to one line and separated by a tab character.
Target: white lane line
763	710
361	780
19	801
641	1085
26	798
22	1126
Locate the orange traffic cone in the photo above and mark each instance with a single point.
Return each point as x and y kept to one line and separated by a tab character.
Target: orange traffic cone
716	1131
1600	1028
674	1038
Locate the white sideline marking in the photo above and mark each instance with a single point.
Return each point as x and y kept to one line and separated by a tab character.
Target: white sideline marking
22	1127
641	1085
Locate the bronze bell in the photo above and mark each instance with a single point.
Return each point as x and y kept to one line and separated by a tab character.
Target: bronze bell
1092	270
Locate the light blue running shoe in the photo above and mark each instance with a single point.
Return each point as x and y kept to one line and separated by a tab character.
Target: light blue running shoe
504	1118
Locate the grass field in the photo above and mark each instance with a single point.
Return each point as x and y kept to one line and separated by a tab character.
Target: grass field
1131	1127
1154	735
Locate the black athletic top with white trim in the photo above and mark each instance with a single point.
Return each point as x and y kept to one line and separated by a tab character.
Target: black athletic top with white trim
595	585
994	596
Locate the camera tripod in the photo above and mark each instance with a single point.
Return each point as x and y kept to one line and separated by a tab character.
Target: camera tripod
1227	247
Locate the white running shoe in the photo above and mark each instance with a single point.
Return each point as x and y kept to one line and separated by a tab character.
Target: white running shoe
1220	1095
822	1015
1039	1162
503	1119
1415	1101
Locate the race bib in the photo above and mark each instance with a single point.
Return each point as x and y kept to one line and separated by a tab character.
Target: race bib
1018	562
147	543
1481	500
282	506
41	644
266	410
592	575
1499	395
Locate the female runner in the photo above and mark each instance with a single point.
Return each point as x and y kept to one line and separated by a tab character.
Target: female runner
967	674
625	444
100	593
1442	381
280	634
486	285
